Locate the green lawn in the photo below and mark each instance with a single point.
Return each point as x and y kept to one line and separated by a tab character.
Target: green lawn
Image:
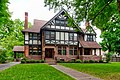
109	71
33	72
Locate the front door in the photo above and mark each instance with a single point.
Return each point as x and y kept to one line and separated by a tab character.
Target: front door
49	52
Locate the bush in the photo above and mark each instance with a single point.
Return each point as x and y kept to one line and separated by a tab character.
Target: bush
86	61
42	61
91	61
100	61
96	61
23	61
78	61
2	56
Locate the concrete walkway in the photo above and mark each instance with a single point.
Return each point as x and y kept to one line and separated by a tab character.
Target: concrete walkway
75	74
7	65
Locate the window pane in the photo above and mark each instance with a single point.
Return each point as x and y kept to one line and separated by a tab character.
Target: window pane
62	36
52	26
47	35
66	36
34	41
62	27
52	35
26	36
67	28
57	36
71	36
30	42
75	36
57	27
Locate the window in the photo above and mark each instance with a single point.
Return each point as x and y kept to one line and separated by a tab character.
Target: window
59	51
71	36
47	35
57	36
52	35
34	50
75	50
75	36
71	50
62	35
34	39
66	36
64	50
89	37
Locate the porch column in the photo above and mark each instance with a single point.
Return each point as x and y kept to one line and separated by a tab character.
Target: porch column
90	51
14	56
94	51
100	51
82	51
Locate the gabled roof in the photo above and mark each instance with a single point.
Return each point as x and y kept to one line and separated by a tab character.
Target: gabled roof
18	49
36	26
90	44
89	28
60	12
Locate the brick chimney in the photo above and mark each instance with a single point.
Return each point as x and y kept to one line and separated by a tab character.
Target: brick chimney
87	24
26	20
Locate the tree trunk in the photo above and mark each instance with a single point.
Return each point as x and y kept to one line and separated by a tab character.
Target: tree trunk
118	3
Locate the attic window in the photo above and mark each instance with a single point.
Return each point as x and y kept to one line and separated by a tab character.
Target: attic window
90	37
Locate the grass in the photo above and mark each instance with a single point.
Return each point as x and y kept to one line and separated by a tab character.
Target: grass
33	72
110	71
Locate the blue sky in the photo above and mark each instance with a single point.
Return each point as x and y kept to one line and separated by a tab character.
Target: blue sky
36	10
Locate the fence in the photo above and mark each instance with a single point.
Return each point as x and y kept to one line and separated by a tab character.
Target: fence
115	59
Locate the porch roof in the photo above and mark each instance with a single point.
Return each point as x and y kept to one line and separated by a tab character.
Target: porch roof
90	44
18	49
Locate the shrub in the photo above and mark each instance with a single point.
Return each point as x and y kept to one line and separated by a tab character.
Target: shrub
2	56
91	61
58	61
37	61
24	58
78	61
96	61
86	61
100	61
42	61
23	61
28	61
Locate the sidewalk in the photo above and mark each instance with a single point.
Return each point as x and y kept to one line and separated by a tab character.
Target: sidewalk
75	74
7	65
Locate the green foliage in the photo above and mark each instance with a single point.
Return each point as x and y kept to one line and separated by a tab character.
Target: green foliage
91	61
2	56
101	61
97	11
33	72
86	61
103	71
78	61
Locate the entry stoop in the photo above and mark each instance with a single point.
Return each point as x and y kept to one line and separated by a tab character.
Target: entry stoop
50	61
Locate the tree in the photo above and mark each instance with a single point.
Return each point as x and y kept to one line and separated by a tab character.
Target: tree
14	38
111	36
96	11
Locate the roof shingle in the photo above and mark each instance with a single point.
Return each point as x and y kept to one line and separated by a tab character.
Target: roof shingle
18	49
36	26
89	44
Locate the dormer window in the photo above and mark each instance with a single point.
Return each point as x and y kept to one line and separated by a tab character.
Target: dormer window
90	37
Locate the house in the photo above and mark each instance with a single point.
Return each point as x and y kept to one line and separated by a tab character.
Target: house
55	39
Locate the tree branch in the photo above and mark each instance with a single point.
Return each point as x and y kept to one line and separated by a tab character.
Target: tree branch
102	9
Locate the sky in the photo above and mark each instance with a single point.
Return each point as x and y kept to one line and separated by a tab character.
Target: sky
36	10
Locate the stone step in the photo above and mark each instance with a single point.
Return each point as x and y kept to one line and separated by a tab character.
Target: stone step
50	61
